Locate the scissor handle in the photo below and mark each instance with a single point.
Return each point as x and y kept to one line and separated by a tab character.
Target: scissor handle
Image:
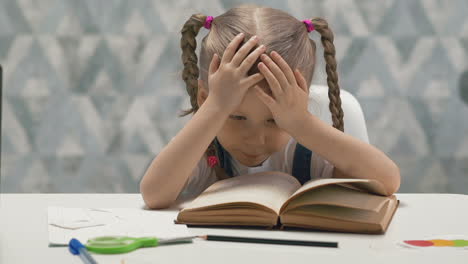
119	244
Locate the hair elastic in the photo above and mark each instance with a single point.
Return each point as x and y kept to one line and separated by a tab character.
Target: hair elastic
208	21
212	161
310	26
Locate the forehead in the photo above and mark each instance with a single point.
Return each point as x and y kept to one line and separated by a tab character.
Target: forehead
254	106
263	84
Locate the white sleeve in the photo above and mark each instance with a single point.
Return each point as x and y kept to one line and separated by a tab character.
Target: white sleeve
201	178
320	167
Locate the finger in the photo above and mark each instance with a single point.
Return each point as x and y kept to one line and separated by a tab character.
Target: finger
252	80
214	65
274	84
301	81
268	100
251	59
284	66
277	72
243	51
231	48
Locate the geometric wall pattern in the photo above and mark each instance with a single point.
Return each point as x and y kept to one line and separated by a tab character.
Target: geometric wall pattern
92	89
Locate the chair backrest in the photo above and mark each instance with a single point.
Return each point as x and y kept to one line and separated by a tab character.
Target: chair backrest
1	119
354	122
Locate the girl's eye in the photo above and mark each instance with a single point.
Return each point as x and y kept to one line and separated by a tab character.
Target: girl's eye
237	117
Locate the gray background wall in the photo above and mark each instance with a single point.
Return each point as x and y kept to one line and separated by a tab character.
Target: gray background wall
92	88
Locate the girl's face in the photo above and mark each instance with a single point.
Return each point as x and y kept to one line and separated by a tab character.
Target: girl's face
250	133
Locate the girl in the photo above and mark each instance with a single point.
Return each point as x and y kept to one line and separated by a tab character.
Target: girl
250	109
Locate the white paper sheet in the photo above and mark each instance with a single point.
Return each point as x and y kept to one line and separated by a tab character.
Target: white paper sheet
84	223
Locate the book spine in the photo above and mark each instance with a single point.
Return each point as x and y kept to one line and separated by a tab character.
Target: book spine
278	225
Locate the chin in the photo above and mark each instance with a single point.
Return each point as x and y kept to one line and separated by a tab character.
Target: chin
250	164
253	164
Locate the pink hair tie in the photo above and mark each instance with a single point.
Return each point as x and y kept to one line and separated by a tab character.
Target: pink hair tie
208	21
310	26
212	161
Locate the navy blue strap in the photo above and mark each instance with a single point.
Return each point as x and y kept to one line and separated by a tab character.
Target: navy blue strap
301	163
224	158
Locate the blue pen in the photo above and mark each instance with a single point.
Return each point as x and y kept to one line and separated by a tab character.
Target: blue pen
76	248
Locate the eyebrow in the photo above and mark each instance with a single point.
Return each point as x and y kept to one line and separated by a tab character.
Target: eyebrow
237	113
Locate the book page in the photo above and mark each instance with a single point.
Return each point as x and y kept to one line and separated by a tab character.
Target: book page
326	217
338	195
367	184
341	213
270	189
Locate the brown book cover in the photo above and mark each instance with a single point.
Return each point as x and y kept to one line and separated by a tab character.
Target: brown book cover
278	201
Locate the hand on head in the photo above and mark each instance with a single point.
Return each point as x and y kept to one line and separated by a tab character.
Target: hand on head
227	77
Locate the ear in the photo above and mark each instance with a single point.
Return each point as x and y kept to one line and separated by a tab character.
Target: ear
202	93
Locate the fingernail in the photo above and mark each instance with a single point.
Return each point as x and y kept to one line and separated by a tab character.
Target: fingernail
261	46
240	34
254	37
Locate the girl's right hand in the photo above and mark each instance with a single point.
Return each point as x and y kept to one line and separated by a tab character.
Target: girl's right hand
228	81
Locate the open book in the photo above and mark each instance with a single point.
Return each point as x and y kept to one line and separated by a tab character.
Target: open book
277	200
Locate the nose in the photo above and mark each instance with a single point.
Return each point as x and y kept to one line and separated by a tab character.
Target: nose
255	137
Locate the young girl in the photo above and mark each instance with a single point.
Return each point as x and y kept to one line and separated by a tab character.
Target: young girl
251	113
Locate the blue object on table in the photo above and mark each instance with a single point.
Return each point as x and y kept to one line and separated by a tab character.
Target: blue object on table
76	248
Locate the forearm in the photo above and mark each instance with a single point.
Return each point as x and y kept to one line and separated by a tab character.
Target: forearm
355	158
171	168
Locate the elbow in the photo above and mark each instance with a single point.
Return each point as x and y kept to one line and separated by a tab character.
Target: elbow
157	205
151	199
154	203
394	180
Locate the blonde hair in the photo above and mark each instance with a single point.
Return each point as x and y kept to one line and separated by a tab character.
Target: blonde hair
278	31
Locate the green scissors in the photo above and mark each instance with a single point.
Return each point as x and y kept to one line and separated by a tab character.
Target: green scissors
124	244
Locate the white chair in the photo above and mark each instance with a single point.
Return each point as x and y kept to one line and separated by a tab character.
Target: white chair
354	122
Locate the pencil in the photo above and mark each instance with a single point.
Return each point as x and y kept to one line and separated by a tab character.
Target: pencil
270	241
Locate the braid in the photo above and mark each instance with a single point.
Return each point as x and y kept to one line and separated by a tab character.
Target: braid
188	43
190	74
321	26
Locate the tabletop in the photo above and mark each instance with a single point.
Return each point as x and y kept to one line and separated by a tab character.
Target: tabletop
24	234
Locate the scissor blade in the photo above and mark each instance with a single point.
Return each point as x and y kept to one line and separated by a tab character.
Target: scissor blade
176	239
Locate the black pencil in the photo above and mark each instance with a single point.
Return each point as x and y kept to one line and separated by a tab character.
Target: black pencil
270	241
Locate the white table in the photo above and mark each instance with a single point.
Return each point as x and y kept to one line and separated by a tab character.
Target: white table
24	237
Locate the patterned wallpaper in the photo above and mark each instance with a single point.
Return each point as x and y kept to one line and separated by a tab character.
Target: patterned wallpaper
92	88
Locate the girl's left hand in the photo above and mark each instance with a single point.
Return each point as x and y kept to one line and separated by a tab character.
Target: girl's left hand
290	91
